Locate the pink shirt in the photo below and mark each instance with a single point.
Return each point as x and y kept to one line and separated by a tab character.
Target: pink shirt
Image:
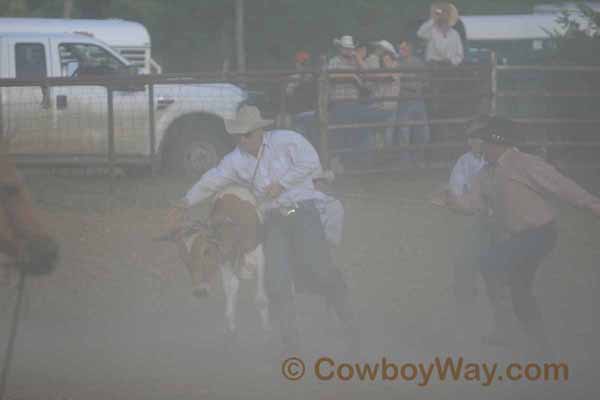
347	89
516	191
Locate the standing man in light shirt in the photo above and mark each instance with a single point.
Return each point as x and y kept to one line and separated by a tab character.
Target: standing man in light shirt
515	188
279	167
444	45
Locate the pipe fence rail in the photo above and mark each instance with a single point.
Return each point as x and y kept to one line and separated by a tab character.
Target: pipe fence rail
384	118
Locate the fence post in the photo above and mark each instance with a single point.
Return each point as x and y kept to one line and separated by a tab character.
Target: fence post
323	112
494	83
1	116
111	138
152	126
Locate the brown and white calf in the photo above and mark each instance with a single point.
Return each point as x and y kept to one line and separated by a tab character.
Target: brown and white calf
230	243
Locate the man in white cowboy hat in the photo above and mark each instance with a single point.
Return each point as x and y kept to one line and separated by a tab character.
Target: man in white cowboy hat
444	45
279	167
347	58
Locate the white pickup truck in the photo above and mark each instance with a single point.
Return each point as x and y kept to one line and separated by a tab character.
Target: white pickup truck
69	124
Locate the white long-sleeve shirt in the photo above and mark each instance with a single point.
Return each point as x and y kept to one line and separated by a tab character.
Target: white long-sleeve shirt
465	169
287	158
441	46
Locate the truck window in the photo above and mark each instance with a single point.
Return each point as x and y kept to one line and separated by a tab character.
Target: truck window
83	59
30	61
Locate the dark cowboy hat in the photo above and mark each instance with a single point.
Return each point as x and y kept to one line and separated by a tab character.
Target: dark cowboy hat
493	129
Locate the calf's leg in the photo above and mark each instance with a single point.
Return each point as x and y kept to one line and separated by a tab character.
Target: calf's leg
231	286
261	300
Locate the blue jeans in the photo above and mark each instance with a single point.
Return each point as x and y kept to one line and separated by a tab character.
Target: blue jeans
410	110
348	138
296	251
513	262
474	243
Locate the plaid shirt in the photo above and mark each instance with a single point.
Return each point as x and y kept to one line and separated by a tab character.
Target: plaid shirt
389	88
343	90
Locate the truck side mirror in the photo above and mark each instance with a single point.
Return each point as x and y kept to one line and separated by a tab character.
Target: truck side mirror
130	71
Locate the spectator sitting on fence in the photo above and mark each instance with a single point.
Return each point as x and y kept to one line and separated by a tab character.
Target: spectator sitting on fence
444	44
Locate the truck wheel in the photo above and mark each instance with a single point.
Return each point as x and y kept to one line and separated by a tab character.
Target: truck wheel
193	152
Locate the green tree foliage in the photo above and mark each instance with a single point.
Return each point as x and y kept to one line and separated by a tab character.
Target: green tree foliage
579	41
14	8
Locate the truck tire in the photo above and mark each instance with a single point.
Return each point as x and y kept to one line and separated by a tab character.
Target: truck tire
195	146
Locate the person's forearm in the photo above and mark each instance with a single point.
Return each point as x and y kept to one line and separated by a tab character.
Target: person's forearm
426	30
210	183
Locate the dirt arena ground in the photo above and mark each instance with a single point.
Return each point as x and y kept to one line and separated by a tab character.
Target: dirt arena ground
117	320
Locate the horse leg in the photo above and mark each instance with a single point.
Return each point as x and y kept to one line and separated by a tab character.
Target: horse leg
261	300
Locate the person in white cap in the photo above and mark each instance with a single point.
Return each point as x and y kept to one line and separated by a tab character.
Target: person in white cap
380	48
279	166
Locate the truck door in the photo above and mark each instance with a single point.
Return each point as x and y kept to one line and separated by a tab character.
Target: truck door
29	119
83	111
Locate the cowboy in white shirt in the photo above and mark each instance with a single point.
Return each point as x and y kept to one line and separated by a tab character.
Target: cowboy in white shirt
443	42
279	167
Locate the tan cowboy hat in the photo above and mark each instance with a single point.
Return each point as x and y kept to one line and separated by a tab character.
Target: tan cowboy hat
453	15
346	41
247	120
